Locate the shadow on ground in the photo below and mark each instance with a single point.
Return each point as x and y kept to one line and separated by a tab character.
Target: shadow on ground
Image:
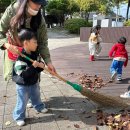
69	111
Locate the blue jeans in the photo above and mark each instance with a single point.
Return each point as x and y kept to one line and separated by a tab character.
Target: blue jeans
116	66
24	93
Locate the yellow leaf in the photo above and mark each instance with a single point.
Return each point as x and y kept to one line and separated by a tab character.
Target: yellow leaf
7	123
93	111
117	116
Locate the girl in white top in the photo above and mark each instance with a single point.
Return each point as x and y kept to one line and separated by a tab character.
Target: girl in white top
94	42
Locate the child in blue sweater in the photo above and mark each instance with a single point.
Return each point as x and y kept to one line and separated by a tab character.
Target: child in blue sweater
25	74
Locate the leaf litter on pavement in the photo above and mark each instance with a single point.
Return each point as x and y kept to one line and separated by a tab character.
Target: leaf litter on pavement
115	121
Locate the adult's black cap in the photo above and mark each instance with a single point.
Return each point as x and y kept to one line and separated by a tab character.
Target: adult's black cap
41	2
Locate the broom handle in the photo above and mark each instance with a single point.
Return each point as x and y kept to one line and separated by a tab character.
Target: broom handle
55	74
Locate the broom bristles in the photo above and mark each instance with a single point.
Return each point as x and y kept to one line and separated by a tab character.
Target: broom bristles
104	100
101	99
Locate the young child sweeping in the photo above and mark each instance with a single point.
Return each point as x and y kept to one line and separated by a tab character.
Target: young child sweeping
120	58
25	74
94	42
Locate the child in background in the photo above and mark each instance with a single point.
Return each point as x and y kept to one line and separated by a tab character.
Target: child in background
25	74
94	42
120	58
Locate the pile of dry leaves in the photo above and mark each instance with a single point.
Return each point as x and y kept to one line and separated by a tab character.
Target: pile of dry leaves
114	121
91	82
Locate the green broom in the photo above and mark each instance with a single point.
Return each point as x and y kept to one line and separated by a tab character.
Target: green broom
103	100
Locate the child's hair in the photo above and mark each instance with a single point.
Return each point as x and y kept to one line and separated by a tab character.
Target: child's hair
122	40
26	34
95	29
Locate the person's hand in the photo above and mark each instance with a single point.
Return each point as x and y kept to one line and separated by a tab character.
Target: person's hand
51	68
35	64
11	48
41	65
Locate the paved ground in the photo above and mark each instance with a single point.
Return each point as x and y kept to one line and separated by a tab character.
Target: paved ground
69	110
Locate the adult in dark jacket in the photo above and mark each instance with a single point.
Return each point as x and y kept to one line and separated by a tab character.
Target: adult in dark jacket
23	14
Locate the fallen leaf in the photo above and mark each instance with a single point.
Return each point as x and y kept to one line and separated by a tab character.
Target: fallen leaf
125	123
94	111
76	126
7	123
117	116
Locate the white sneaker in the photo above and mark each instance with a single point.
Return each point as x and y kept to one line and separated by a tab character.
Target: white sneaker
125	95
113	76
45	110
119	79
97	55
20	122
29	105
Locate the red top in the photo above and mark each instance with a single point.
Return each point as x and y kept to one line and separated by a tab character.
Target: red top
118	50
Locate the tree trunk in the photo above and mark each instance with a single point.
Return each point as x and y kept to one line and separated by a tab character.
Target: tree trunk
117	15
128	10
81	13
87	16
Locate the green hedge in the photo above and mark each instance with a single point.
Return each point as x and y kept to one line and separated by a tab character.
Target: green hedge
73	25
127	23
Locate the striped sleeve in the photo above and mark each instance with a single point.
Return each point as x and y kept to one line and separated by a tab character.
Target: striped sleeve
19	67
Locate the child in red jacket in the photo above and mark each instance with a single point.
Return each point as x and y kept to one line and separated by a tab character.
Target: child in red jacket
120	58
